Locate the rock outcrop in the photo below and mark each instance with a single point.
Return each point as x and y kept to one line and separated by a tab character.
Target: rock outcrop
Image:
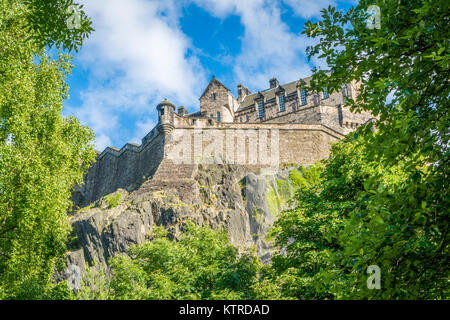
244	201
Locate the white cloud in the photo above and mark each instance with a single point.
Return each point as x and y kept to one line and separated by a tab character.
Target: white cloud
136	56
309	8
142	128
269	48
132	37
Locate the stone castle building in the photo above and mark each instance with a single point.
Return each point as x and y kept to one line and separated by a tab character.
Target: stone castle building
247	130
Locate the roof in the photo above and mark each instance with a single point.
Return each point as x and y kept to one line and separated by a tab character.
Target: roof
165	103
269	94
213	80
195	114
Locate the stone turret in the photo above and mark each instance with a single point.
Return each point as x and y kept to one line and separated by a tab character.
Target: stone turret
166	111
217	102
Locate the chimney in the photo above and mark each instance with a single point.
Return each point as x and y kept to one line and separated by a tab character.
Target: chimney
273	83
182	111
242	92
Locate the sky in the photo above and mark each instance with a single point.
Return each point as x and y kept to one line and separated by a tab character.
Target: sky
143	51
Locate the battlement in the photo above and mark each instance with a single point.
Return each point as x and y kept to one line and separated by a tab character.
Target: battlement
133	147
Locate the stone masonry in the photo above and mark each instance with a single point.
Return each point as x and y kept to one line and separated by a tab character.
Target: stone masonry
293	127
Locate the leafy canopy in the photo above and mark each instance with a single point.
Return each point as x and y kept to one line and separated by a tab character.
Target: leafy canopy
384	198
202	264
349	220
48	23
42	156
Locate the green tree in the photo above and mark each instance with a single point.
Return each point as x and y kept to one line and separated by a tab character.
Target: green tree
388	227
200	265
48	23
42	156
308	235
404	68
391	210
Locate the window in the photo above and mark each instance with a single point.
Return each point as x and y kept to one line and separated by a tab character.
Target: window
240	119
246	118
316	99
261	109
281	103
345	92
218	116
303	96
325	93
213	97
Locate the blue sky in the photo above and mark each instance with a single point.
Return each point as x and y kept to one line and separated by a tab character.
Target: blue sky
145	50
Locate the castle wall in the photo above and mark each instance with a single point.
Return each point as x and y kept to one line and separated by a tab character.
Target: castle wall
123	168
292	104
173	149
208	142
329	112
250	144
307	114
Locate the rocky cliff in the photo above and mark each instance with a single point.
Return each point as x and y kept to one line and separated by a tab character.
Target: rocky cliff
243	200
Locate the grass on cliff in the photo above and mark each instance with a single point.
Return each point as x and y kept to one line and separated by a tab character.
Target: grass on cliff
113	200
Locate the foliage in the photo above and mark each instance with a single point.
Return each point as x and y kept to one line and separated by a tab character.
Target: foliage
114	200
350	219
304	236
305	176
42	156
48	23
357	216
404	68
391	228
200	265
94	284
407	60
404	71
383	199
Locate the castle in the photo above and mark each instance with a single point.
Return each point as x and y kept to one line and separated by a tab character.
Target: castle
281	125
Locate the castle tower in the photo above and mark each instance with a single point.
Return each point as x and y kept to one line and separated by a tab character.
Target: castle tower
218	102
166	111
